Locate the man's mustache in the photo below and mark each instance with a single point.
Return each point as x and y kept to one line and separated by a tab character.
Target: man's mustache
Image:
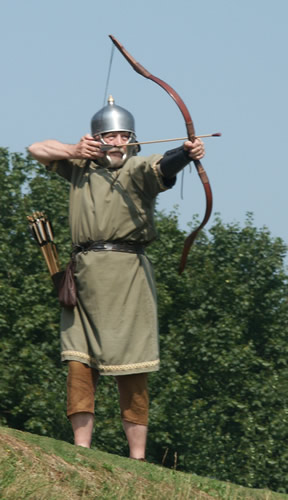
113	150
110	147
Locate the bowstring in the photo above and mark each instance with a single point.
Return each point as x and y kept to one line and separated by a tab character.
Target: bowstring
104	102
108	74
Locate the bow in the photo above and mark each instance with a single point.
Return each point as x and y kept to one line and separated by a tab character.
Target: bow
191	136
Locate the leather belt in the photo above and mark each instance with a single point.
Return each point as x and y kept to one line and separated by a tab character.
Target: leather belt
112	246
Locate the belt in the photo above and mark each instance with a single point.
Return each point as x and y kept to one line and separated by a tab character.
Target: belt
100	246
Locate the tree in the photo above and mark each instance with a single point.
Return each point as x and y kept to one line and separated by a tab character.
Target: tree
219	404
220	399
32	378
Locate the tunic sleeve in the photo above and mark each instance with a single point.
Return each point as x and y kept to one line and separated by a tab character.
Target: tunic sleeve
65	168
147	178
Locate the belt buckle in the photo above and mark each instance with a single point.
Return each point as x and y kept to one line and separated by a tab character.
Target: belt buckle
108	246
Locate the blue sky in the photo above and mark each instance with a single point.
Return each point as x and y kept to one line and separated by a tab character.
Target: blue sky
226	59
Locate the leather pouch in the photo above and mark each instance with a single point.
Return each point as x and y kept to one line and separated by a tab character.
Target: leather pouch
65	285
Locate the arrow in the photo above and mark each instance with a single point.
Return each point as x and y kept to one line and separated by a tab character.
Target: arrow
107	147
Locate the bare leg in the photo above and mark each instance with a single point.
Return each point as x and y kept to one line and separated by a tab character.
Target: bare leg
82	425
136	436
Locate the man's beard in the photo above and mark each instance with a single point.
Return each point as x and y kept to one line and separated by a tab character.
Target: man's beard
115	158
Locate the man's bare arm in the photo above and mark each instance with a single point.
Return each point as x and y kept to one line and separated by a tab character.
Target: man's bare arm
51	150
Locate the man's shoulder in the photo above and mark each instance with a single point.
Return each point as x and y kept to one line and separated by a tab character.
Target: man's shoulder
79	162
143	161
67	168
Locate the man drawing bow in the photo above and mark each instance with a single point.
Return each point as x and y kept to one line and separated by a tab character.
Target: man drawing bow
113	329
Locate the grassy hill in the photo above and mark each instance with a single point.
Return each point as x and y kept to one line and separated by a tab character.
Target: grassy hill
39	468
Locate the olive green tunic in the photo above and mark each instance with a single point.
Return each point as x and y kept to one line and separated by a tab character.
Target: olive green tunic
114	325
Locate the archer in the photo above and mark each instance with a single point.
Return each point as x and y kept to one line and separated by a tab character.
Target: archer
113	328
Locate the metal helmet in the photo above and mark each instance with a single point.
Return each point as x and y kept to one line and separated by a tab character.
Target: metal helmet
112	118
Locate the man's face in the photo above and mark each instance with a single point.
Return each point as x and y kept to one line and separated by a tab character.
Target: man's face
117	155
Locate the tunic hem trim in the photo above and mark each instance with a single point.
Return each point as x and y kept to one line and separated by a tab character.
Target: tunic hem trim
72	355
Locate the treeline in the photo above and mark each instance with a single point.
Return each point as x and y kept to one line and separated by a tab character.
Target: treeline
219	405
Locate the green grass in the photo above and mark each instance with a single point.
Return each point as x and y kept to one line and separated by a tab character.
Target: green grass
39	468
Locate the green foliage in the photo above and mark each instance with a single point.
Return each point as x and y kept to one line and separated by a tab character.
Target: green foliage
220	401
32	379
219	404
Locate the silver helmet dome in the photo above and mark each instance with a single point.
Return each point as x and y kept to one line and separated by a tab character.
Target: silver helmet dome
112	118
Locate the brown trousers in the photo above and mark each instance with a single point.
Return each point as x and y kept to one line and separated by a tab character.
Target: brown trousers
133	390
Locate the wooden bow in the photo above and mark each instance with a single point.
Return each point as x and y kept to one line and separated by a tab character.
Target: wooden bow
191	135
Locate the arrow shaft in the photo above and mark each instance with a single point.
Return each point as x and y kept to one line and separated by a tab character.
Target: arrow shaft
110	146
